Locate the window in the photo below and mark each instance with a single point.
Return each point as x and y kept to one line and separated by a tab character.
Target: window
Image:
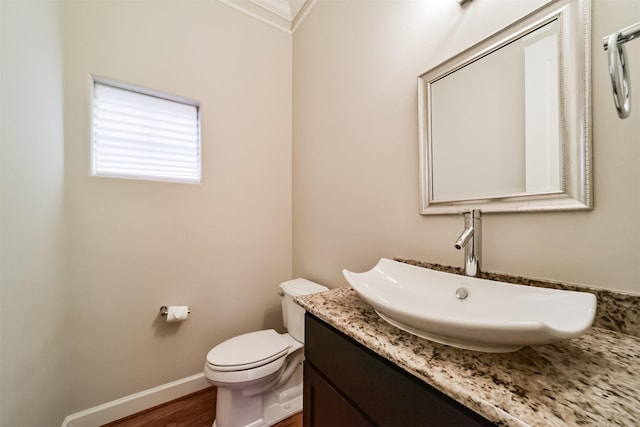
144	135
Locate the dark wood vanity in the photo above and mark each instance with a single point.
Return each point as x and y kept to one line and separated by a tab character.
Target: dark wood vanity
346	384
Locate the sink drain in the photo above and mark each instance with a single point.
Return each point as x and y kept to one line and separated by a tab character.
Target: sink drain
462	293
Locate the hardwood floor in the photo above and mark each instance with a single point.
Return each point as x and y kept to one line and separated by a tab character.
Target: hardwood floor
194	410
292	421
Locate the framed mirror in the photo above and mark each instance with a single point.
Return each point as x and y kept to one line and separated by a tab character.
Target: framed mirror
505	125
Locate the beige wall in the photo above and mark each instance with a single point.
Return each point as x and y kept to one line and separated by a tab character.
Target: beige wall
355	164
33	282
86	262
221	247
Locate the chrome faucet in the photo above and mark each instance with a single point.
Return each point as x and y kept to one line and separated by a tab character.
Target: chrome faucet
471	240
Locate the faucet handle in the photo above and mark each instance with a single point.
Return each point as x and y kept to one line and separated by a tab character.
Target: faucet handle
473	213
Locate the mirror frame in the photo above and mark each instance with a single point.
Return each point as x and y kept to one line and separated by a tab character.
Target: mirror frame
574	18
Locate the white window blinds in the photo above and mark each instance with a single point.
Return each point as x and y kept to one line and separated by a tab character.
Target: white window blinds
144	136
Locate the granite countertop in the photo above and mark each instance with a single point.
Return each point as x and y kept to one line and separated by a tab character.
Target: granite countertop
591	380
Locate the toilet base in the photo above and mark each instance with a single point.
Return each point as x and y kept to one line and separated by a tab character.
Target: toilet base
279	411
272	412
235	409
276	413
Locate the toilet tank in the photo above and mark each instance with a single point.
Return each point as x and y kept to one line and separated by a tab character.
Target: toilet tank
292	313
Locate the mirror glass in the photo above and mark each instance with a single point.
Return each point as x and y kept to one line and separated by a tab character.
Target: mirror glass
504	125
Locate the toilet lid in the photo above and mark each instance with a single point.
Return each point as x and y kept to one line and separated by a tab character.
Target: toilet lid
248	350
297	287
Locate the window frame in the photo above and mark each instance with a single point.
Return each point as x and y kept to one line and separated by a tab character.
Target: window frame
98	80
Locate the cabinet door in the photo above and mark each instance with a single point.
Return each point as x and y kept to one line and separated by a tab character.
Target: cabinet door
324	406
388	395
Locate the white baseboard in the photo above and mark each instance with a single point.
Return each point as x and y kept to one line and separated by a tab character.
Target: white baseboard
128	405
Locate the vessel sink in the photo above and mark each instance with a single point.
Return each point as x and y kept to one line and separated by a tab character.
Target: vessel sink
472	313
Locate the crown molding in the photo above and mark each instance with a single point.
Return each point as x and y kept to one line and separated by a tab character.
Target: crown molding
284	15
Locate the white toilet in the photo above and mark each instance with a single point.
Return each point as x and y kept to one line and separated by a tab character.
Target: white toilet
259	374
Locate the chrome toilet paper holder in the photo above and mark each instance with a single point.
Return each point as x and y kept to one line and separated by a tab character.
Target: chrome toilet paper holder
164	310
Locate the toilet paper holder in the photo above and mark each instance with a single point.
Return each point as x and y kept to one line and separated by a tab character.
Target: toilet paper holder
164	310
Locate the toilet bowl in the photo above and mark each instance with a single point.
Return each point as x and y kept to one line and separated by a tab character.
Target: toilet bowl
259	374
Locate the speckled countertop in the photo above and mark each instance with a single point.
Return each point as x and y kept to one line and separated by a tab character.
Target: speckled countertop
591	380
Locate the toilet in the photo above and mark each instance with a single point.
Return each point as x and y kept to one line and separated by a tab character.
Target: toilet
259	374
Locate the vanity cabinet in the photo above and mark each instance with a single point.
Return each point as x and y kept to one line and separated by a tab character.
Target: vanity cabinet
346	384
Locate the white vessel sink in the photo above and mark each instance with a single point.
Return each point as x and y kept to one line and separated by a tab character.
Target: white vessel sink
494	317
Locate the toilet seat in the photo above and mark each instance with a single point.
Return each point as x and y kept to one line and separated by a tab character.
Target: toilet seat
248	351
244	378
252	357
